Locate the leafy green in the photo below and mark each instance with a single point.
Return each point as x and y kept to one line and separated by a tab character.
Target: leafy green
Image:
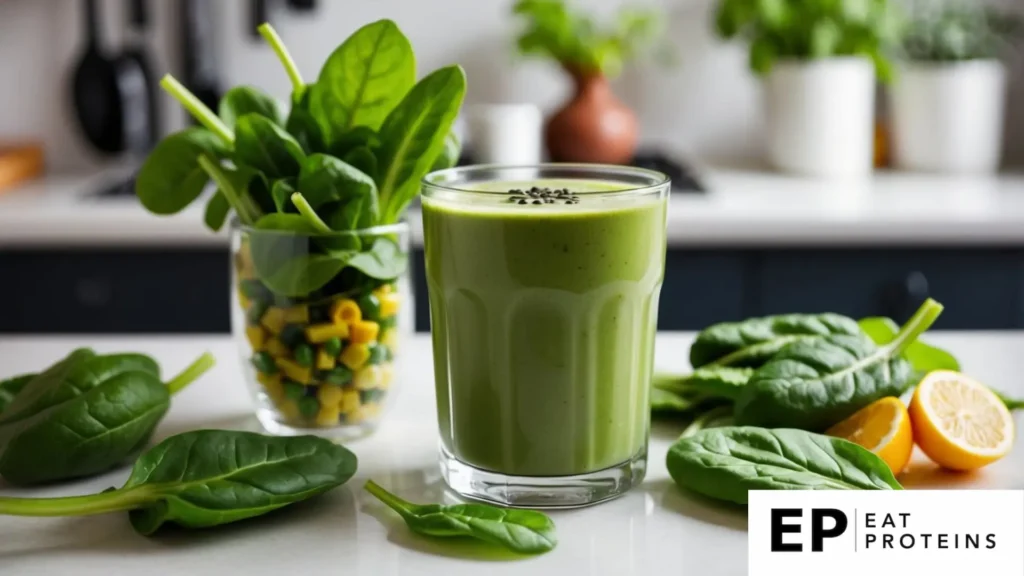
207	478
954	31
170	178
711	418
665	401
302	125
232	184
523	531
384	261
413	135
265	146
242	100
362	159
325	179
216	213
726	463
11	387
721	382
1011	403
922	357
814	384
449	156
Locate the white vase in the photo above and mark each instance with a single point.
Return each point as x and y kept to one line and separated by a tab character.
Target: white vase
820	117
949	117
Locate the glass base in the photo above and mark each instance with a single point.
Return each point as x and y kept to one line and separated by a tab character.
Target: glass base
342	433
542	491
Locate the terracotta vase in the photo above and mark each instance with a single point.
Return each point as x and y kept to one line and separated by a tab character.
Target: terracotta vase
593	127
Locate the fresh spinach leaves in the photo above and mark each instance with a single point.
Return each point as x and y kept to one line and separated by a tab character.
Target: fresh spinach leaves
922	357
265	146
325	179
11	387
170	178
242	100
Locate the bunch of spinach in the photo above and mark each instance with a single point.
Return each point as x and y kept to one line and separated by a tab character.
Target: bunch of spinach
84	415
347	155
209	477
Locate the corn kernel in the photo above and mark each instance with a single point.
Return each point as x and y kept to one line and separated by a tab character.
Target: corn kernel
274	319
383	289
349	402
276	348
294	371
363	331
345	311
329	395
320	333
297	314
386	373
355	355
367	378
389	304
327	416
272	385
256	336
324	361
290	410
390	339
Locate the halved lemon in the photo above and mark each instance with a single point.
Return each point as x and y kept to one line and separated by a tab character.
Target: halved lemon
959	423
882	427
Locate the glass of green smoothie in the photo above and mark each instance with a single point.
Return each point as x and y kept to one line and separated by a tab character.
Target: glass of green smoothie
544	284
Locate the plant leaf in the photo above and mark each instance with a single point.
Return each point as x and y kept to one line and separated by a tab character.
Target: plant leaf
327	179
285	222
449	156
666	401
265	146
721	382
362	159
282	193
11	387
217	209
170	178
242	100
299	276
726	463
355	138
384	260
302	125
922	357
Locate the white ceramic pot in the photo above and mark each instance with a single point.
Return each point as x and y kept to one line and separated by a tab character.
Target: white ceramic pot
820	117
949	117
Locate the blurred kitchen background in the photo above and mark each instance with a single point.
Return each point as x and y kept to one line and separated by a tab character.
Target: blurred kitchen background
751	231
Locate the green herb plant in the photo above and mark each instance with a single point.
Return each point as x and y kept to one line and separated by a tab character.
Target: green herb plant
207	478
522	531
84	415
806	30
959	30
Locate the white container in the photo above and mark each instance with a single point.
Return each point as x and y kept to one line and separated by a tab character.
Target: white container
507	134
820	117
949	117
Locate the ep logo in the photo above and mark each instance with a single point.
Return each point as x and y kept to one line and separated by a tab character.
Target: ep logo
824	523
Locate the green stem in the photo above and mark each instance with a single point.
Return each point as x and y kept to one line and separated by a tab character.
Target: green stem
309	214
270	35
394	502
191	373
114	501
918	324
213	169
198	110
704	420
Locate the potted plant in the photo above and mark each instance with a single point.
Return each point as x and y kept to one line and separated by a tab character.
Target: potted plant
819	60
594	125
948	101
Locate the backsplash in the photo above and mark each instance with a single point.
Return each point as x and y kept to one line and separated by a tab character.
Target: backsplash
708	106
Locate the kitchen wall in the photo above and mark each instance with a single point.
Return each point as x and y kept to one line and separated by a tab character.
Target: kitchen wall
707	106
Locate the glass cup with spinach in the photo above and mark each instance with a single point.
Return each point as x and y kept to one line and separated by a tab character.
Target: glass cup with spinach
319	318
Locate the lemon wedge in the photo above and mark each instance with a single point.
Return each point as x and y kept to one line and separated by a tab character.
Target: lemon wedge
882	427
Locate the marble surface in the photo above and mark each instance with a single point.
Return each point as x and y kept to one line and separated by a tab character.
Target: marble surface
654	529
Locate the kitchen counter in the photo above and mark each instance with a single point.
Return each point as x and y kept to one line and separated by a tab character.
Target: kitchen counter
655	529
744	207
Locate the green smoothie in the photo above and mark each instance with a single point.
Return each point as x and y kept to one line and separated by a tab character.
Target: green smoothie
543	320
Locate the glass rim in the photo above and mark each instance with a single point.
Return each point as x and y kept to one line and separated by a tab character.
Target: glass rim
656	181
402	226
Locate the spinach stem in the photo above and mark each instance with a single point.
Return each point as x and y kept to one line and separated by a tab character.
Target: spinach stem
270	35
198	110
191	373
920	322
113	501
705	420
309	214
213	169
394	502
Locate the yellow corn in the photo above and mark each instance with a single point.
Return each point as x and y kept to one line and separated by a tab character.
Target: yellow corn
390	339
294	371
320	333
276	348
274	319
383	289
386	372
297	314
257	337
327	416
364	331
324	361
272	385
349	402
243	300
389	304
354	356
329	395
289	409
345	311
367	378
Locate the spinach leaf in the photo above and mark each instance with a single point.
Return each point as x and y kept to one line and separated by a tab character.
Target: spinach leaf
384	260
711	418
922	357
413	135
234	184
358	137
363	79
726	463
362	159
11	387
449	156
752	342
665	401
325	179
207	478
217	209
285	222
298	276
722	382
282	193
170	178
242	100
307	212
96	416
814	384
1011	403
303	125
265	146
523	531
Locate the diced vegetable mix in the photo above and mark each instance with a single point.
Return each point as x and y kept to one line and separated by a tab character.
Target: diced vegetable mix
322	363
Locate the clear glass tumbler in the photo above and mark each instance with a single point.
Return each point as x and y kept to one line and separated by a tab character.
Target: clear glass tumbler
544	285
318	320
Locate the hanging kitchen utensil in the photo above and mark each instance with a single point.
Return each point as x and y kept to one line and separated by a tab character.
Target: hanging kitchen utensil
144	129
198	51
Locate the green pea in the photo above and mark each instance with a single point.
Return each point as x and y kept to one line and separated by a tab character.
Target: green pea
378	354
304	354
293	390
370	306
255	311
368	396
339	376
309	406
293	335
388	322
264	362
333	346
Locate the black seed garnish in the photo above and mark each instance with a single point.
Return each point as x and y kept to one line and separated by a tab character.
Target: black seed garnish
537	202
522	201
537	195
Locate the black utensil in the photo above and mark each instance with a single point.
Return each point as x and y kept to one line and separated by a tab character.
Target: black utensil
198	53
144	129
96	91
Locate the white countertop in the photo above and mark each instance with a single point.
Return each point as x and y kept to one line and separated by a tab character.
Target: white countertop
744	207
654	529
